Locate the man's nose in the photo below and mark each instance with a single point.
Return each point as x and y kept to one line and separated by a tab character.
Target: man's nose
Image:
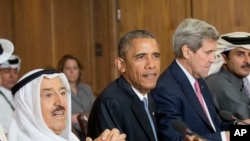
59	99
151	62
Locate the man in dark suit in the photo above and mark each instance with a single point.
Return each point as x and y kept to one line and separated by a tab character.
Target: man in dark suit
120	103
175	95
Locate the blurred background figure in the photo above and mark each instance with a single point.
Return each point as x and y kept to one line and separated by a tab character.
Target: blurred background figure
82	96
6	49
9	71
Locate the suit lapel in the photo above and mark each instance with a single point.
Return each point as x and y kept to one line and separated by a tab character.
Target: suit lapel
189	92
138	108
141	115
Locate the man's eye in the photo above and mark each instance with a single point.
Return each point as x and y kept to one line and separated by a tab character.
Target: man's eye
48	95
6	70
240	54
157	55
209	52
140	57
64	92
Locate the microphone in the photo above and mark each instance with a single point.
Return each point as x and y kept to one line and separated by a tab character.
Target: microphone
182	128
228	116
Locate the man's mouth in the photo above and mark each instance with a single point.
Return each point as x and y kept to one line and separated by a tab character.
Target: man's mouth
150	75
58	113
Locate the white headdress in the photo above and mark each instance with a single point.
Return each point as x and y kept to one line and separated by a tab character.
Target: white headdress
6	49
227	42
28	123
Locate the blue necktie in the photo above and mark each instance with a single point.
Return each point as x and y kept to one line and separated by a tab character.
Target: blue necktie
145	101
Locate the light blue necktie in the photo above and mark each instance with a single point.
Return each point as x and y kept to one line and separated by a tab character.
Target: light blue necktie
145	101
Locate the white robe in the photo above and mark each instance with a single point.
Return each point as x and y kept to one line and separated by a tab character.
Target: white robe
5	108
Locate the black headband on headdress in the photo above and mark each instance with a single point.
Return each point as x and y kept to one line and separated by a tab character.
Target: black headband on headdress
33	76
1	49
237	40
14	61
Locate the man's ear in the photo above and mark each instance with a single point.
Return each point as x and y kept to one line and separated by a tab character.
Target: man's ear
225	58
185	51
119	63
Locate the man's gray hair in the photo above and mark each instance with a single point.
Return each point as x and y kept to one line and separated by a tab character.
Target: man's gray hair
192	32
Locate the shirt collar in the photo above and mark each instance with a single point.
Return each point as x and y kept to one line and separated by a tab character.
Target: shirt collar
139	94
189	76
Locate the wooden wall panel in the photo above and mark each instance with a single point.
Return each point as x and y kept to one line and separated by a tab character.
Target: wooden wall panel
6	19
105	36
160	17
32	33
44	30
155	16
225	15
72	33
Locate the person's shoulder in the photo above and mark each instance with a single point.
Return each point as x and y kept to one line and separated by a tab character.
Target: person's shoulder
2	89
112	95
109	90
85	85
116	92
218	81
2	96
216	77
166	79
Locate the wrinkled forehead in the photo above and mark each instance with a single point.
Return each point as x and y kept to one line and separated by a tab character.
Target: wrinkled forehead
51	82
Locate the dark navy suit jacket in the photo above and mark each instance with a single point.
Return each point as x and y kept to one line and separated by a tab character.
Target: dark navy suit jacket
176	99
119	107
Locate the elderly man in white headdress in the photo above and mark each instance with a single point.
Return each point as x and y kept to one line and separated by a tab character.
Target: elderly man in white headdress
43	108
226	85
